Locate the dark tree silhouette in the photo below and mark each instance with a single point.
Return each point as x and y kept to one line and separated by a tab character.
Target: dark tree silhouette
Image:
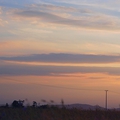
6	105
34	104
18	104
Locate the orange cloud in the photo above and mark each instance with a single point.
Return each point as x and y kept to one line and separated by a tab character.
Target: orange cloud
115	64
20	47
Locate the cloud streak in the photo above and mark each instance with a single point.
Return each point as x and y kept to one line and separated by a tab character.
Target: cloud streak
16	70
91	22
83	17
52	7
65	58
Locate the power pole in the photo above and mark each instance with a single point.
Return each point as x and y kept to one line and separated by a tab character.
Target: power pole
106	99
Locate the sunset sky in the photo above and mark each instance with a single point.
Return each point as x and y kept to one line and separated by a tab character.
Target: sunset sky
60	49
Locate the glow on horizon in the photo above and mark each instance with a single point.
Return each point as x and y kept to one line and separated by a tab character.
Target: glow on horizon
112	64
29	27
42	87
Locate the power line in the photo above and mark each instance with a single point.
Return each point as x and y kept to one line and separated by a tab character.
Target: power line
60	87
114	92
15	80
69	88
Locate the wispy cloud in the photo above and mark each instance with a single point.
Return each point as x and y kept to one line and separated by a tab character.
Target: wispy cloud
53	7
66	58
19	47
51	45
60	65
18	69
1	10
89	22
57	8
83	17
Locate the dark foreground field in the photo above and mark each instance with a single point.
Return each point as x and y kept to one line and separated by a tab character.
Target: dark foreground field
54	113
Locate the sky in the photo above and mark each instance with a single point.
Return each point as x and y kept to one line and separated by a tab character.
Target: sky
60	49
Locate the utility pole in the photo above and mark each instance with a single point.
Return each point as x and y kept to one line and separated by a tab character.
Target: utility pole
106	99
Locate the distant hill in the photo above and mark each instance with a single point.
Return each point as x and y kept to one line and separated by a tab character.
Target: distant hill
83	106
